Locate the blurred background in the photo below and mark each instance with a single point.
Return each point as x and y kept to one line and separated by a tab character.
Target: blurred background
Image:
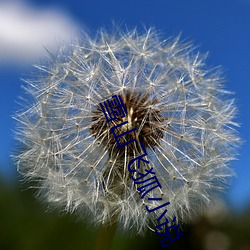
28	28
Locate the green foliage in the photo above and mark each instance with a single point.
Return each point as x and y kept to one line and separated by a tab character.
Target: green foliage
25	226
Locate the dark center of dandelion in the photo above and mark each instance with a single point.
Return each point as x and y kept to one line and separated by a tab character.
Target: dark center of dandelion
142	114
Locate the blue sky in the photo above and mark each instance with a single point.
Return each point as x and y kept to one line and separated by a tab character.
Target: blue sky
221	27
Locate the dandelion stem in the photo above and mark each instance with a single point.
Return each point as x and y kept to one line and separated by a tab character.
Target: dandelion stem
105	236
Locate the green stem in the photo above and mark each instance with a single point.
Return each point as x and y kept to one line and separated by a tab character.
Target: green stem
105	236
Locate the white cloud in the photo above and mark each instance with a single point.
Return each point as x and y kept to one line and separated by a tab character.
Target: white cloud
25	31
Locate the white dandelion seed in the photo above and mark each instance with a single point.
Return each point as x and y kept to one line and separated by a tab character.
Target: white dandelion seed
180	111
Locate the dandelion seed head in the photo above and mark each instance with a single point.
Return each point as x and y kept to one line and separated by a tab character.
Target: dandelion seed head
182	115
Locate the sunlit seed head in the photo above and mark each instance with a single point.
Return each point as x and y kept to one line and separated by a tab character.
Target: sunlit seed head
182	115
